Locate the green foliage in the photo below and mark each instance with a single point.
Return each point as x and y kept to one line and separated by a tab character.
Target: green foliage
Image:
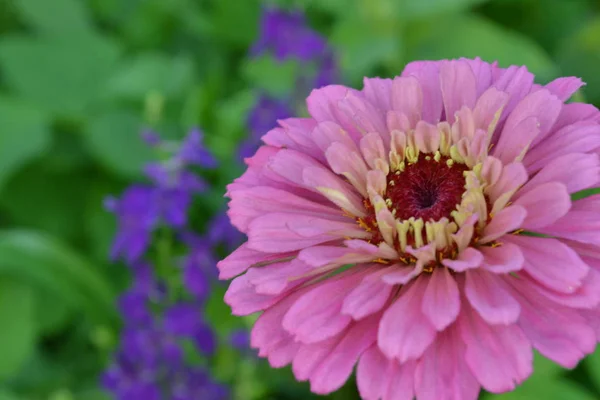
17	336
24	134
473	36
75	69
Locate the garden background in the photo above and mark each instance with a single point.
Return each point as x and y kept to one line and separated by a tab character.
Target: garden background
81	79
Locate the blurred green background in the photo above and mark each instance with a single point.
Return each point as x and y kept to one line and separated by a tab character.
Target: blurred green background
80	78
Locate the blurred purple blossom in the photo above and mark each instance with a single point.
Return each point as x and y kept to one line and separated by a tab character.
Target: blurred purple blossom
287	35
149	362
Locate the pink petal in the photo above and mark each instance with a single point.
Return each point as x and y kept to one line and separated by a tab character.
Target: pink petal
378	92
372	147
586	296
279	232
399	274
427	72
337	367
427	137
582	223
309	356
368	297
441	302
407	98
507	220
557	332
320	256
499	356
326	133
513	144
243	299
317	314
517	82
467	259
544	204
404	332
488	295
552	263
349	163
513	175
273	279
269	336
577	171
295	135
503	259
372	374
335	189
400	381
364	116
482	71
565	87
322	105
442	373
581	137
459	87
248	204
488	108
243	258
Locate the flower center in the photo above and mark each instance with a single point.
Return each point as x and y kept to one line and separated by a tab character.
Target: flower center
428	189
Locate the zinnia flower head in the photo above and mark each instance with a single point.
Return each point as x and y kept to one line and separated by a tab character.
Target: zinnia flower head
423	229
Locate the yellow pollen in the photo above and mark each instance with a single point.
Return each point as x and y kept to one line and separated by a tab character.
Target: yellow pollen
381	261
428	158
392	183
496	244
388	202
518	231
449	162
438	156
363	225
428	268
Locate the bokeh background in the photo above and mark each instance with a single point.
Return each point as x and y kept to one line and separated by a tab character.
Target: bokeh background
79	81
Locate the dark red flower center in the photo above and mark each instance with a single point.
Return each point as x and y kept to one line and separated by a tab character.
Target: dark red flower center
427	189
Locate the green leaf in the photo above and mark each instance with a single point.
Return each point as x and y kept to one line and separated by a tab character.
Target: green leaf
52	313
24	134
236	21
18	333
7	395
423	8
473	36
75	69
63	194
579	54
585	193
231	115
278	78
56	17
152	72
547	389
592	366
39	259
113	138
364	43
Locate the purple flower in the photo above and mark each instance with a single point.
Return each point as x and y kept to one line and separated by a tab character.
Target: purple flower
260	120
221	232
193	152
184	320
286	34
240	339
137	212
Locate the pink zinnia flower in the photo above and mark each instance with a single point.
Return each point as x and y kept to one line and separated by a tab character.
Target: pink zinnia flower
393	229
